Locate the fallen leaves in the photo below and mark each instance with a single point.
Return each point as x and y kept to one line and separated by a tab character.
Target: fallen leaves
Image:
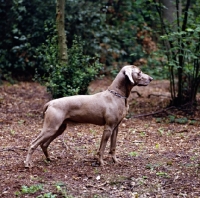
158	159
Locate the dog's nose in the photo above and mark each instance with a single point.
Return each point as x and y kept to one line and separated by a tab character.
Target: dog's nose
150	78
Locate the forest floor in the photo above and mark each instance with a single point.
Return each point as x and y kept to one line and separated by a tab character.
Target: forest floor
159	153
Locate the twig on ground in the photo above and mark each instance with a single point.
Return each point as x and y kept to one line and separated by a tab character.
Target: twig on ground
5	121
153	113
139	95
158	95
67	147
13	149
63	142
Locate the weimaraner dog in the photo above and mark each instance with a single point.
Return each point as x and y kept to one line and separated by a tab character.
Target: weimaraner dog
106	108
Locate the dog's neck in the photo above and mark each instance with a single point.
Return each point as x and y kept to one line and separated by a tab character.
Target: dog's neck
122	85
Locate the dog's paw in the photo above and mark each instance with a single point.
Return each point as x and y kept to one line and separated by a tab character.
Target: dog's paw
116	160
99	162
48	159
27	164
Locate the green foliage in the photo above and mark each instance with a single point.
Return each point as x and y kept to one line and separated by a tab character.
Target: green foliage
108	28
156	70
22	30
29	190
71	78
39	187
161	131
162	174
133	154
175	119
171	118
152	166
187	44
47	195
183	120
47	52
182	48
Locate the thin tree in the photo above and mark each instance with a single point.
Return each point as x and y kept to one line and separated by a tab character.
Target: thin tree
182	50
60	25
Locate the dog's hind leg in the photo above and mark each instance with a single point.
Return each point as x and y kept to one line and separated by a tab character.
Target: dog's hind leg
45	145
51	127
38	137
43	137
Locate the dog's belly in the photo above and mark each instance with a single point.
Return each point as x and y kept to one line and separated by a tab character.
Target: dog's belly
87	119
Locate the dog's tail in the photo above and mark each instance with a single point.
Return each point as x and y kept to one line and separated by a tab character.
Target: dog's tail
45	108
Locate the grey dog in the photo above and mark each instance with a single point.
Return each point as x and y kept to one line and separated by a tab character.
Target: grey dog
106	108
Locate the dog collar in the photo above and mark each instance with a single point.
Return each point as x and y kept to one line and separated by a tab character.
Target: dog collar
117	94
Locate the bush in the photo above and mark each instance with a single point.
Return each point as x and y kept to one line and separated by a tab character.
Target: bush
22	30
71	78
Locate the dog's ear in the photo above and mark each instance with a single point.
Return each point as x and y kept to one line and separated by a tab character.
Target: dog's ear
128	73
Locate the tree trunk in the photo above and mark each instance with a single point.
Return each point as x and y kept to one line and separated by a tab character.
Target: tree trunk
181	50
60	25
172	15
169	13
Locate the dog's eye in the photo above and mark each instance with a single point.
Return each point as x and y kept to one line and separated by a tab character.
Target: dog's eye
139	73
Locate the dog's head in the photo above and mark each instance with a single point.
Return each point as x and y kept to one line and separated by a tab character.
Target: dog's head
136	76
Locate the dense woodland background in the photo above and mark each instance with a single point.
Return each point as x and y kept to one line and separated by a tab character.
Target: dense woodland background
160	36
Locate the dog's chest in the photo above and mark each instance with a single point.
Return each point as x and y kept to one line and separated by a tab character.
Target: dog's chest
125	111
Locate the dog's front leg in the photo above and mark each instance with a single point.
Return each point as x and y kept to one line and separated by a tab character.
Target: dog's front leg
113	145
106	135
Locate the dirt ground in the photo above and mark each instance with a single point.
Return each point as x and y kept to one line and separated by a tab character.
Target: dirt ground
160	154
